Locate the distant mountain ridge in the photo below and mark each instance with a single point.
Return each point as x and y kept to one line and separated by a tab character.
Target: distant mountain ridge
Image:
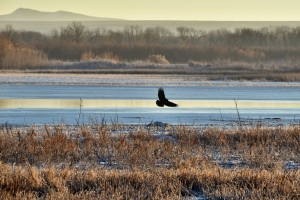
25	14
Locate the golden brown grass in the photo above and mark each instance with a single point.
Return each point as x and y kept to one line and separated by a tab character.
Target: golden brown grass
20	57
159	59
91	162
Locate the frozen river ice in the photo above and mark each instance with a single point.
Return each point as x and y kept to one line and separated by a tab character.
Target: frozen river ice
34	99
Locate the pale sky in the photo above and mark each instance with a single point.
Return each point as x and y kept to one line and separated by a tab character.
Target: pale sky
224	10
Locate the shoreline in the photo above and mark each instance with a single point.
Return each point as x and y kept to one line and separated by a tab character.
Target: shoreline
130	80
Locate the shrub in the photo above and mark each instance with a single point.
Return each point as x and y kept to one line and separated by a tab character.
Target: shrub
108	55
87	56
159	59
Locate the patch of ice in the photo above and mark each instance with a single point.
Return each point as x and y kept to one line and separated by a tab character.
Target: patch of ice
291	165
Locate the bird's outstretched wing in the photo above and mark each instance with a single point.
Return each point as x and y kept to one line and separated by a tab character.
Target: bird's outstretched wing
161	94
170	104
163	100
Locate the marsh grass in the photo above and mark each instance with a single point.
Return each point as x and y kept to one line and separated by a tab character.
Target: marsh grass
158	59
20	56
282	70
92	162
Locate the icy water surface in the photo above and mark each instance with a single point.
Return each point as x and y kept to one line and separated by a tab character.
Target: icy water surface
199	105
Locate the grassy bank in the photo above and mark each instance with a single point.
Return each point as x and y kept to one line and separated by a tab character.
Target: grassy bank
64	162
216	70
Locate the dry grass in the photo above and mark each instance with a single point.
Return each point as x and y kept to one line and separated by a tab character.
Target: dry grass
218	70
283	70
106	56
158	59
20	57
91	162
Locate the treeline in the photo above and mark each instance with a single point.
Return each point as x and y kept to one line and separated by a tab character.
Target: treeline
137	43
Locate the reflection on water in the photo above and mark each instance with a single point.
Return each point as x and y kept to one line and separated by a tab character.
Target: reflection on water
92	103
216	112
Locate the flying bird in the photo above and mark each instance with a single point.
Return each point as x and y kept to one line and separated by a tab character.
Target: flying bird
162	99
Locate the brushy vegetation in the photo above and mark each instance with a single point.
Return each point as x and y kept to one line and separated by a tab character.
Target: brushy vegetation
90	162
159	59
137	43
270	53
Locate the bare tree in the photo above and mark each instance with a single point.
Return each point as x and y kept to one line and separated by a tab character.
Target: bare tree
54	34
132	33
96	36
115	37
10	33
196	35
74	32
282	33
183	32
150	36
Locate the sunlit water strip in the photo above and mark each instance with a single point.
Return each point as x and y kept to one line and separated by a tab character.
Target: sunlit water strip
112	103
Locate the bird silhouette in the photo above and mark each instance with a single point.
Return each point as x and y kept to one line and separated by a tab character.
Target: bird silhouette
163	101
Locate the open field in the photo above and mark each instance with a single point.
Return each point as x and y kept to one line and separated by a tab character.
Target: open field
118	161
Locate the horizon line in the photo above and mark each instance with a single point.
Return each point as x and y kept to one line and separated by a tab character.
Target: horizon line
122	19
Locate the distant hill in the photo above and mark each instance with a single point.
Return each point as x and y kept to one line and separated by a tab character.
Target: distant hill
33	20
25	14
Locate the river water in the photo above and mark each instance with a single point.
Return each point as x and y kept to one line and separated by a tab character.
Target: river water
218	105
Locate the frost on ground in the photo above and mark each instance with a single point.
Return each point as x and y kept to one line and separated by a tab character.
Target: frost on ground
129	80
180	162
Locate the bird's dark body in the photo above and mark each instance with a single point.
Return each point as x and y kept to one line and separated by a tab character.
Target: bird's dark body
163	101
